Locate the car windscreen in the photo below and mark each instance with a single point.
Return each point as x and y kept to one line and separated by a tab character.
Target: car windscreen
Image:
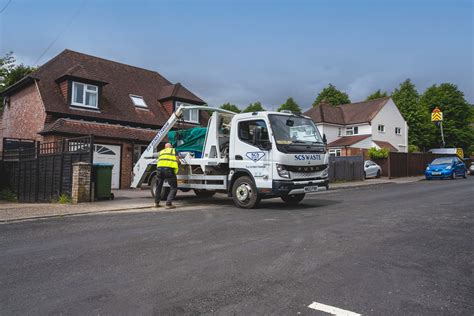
442	161
293	130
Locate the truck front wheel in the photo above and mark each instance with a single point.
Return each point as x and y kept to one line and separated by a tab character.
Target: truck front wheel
244	193
293	199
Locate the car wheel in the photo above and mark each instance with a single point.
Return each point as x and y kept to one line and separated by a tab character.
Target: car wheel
365	175
204	193
244	193
378	173
465	174
293	199
453	175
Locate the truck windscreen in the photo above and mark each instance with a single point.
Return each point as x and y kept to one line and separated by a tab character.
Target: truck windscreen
294	129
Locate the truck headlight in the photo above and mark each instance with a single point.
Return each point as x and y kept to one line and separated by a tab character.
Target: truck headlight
449	167
324	174
282	172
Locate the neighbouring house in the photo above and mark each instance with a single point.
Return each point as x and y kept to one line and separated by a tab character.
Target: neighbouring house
75	95
351	128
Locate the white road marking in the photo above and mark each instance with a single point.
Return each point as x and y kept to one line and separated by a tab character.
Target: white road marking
331	309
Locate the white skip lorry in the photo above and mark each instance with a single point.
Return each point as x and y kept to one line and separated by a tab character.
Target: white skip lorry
248	156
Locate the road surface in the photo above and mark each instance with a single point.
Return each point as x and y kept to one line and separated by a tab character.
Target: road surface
389	249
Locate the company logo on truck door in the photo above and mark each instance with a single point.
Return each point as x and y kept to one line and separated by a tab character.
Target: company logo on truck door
255	156
307	157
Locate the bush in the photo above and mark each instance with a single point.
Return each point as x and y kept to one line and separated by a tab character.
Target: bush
64	199
413	149
375	153
7	195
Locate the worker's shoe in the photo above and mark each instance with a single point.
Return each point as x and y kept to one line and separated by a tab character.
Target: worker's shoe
170	206
157	205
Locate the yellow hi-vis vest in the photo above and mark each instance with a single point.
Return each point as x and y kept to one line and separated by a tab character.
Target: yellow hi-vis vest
167	158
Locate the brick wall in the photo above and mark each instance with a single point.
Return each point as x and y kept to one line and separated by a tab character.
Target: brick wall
63	87
24	117
81	180
169	107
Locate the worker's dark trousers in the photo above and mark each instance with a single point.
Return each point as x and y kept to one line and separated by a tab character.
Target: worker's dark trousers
164	173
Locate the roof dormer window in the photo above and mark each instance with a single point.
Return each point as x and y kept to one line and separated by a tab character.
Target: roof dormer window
84	95
138	101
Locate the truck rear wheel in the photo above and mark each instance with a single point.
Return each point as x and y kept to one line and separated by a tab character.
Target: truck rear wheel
244	193
293	199
204	193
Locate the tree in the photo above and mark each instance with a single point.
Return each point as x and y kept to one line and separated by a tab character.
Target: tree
290	105
332	95
230	107
377	95
420	129
254	107
457	115
10	73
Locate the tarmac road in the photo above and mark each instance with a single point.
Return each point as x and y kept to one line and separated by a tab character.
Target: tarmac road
389	249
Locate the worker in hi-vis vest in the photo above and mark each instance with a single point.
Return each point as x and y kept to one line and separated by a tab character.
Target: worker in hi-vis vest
167	168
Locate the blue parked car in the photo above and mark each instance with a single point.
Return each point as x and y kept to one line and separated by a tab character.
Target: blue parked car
446	167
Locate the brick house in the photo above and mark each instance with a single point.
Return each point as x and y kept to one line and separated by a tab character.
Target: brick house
352	128
75	95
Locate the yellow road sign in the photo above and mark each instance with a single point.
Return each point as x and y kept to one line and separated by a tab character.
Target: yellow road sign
460	153
436	115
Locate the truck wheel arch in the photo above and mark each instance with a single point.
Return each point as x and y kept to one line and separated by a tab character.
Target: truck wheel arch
237	174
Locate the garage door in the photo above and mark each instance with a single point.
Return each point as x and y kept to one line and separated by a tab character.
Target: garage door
104	153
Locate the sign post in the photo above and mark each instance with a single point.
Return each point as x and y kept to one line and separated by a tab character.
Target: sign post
437	117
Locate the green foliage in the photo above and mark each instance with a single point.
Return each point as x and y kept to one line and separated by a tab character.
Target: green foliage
377	95
230	107
64	199
375	153
332	95
10	72
254	107
413	149
7	195
290	105
420	128
457	115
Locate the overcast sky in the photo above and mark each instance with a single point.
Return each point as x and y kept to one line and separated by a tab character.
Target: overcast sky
257	50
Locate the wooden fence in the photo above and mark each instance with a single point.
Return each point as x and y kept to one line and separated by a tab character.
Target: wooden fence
44	172
347	168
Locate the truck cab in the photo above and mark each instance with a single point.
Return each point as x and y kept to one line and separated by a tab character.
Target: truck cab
275	154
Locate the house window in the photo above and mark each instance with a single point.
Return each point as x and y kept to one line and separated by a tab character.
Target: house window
339	131
353	130
398	130
335	152
381	128
191	115
138	101
85	95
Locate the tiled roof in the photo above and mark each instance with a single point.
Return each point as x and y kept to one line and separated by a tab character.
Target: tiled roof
352	113
78	127
386	145
347	140
178	91
115	103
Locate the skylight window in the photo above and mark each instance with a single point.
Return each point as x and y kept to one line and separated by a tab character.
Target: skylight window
138	101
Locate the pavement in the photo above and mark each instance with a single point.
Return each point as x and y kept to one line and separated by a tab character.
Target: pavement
374	250
135	200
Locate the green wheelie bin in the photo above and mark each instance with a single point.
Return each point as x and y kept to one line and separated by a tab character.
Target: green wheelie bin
102	179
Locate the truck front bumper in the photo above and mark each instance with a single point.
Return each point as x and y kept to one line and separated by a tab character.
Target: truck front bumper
284	187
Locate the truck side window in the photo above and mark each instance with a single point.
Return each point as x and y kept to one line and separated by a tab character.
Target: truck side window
246	130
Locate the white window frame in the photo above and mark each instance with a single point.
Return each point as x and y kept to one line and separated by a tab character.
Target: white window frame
193	110
399	130
85	90
381	128
335	152
351	130
144	106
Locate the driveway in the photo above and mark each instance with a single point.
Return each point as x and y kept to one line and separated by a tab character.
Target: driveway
387	249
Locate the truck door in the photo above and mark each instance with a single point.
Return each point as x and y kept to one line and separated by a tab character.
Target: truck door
246	155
